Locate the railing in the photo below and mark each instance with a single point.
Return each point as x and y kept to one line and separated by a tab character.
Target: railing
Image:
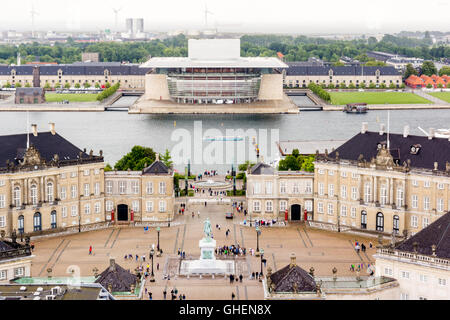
414	256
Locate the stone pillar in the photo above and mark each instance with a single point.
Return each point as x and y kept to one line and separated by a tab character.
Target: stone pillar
375	195
391	191
42	190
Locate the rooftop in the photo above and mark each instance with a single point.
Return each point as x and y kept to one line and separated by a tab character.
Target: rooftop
296	70
262	169
183	62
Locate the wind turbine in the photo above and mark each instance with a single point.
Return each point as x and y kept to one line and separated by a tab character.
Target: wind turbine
33	13
116	13
206	15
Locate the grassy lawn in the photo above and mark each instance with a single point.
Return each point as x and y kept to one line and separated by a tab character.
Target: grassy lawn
441	95
75	97
341	98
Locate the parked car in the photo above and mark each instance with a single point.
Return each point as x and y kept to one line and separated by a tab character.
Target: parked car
229	215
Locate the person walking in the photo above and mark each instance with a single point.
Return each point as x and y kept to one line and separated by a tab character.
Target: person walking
90	250
198	214
157	266
164	294
232	296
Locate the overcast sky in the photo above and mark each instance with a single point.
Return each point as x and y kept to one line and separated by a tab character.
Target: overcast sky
281	16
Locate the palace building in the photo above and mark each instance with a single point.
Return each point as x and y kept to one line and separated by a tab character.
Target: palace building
214	73
48	185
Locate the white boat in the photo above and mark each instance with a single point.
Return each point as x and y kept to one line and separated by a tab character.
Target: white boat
442	133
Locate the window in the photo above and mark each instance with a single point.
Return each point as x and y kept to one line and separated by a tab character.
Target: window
367	193
109	205
330	172
405	274
20	224
282	187
309	205
440	205
19	272
320	207
87	172
149	206
427	184
269	206
396	224
380	221
321	171
425	222
97	188
388	271
162	188
343	211
256	206
355	176
97	207
135	206
64	212
269	187
87	190
135	187
162	206
53	219
73	174
404	296
330	209
17	197
308	188
442	282
109	187
73	191
87	208
344	174
400	197
2	201
343	192
383	195
37	222
97	171
363	219
354	193
122	187
415	183
295	188
149	187
440	186
353	212
63	194
414	221
50	197
426	203
74	211
283	205
321	189
33	194
3	274
2	183
2	221
423	278
415	201
331	190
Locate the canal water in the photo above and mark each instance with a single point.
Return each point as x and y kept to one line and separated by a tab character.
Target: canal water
302	101
117	132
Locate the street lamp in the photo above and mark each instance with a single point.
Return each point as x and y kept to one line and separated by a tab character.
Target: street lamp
158	250
261	274
258	232
152	276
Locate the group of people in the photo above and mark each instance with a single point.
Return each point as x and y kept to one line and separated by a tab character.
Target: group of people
360	266
262	223
182	209
362	246
239	207
231	250
182	254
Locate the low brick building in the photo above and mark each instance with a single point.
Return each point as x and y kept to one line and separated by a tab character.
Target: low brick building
30	96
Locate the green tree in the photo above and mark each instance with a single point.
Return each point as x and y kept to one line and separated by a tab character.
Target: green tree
167	159
18	85
27	85
372	86
362	85
429	86
67	85
351	86
136	160
392	86
331	86
244	167
428	68
87	85
107	85
444	70
77	85
440	86
8	85
108	167
409	71
383	86
308	163
58	85
290	162
97	85
403	86
342	86
338	64
47	86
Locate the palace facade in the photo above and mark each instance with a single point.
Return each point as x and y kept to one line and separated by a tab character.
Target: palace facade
49	185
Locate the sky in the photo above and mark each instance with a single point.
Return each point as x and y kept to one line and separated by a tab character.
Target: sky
255	16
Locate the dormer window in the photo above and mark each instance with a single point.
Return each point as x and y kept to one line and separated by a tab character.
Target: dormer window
381	145
415	148
330	73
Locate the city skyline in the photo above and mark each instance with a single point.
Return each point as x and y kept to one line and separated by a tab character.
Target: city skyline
233	16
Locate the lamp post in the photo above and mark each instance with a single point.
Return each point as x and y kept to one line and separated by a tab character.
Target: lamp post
258	232
152	276
158	250
261	274
79	223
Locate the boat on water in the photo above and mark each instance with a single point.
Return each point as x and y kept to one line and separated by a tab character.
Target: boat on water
356	108
226	138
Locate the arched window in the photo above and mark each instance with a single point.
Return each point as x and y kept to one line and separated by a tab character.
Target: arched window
17	197
20	224
50	197
53	219
33	194
396	226
363	219
37	221
380	221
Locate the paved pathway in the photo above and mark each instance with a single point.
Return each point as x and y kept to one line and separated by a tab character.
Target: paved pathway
427	96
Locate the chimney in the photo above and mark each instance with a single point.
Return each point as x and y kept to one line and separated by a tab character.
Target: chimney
436	166
293	261
112	264
52	128
431	134
364	127
415	245
35	132
382	129
405	131
157	157
433	250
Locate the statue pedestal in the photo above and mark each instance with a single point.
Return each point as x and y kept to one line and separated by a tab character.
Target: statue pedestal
207	264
